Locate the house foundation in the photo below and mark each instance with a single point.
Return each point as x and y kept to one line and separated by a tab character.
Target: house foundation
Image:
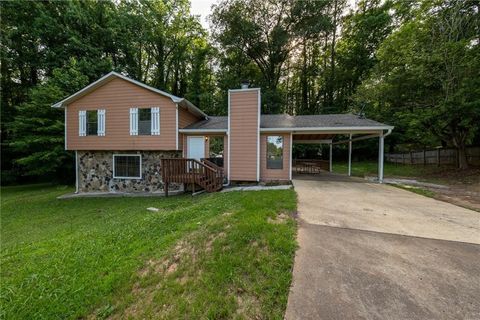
95	172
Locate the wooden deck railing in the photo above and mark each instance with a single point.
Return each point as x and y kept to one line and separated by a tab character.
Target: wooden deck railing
181	170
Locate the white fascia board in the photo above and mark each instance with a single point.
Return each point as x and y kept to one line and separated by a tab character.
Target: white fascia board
81	92
313	141
111	74
190	107
259	106
176	126
327	129
228	140
202	130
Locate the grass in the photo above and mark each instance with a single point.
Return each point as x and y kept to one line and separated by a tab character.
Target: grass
370	168
223	255
417	190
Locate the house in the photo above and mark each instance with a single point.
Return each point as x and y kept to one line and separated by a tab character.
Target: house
123	131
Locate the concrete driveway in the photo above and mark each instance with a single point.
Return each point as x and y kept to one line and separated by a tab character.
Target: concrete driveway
370	251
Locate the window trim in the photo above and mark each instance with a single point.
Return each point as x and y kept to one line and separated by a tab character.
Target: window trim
266	151
128	155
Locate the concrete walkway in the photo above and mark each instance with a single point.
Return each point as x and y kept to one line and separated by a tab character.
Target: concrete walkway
370	251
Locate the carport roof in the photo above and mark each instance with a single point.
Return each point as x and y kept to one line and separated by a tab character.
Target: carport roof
289	123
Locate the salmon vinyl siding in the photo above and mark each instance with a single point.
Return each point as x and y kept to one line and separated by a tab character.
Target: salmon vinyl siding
275	174
116	98
244	113
186	118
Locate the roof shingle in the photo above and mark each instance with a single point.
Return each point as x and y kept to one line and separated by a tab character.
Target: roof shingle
285	121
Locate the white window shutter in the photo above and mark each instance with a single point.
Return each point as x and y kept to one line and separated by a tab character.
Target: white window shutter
101	122
155	121
133	121
82	123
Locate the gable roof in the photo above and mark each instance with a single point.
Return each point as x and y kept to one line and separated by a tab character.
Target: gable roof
290	123
110	76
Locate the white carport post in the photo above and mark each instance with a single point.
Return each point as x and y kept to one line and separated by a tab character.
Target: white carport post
380	158
330	159
350	156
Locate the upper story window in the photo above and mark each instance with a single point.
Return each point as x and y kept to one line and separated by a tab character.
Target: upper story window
91	122
274	152
145	121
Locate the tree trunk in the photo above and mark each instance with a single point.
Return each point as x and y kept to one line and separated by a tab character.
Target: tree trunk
303	79
332	56
462	157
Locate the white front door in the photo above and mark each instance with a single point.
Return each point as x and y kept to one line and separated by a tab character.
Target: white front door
196	147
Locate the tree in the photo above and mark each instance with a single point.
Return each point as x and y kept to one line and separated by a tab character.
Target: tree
158	42
263	34
38	129
428	76
363	32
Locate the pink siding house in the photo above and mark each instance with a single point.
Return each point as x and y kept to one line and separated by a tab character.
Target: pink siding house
130	137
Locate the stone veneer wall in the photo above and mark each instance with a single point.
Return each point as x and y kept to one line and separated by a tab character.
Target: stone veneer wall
95	172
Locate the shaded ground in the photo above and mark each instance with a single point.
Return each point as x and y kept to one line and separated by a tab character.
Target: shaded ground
370	251
463	186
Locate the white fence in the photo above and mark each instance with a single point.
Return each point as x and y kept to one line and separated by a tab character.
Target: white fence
436	156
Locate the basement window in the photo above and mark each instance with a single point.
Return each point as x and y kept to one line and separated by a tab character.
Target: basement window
127	166
274	152
92	123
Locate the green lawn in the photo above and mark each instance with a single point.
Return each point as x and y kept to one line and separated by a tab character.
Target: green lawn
370	168
223	255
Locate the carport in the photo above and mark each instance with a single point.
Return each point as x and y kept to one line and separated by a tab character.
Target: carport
332	136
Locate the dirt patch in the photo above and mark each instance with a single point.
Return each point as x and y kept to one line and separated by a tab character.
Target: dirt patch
281	218
211	240
248	306
459	187
460	197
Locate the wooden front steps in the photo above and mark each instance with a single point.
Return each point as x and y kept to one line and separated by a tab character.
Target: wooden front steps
204	173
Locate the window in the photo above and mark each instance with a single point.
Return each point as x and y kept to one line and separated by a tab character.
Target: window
274	152
145	121
127	166
92	123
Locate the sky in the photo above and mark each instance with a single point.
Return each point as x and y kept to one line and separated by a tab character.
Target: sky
202	8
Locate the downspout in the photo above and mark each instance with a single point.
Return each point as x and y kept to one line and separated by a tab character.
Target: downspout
76	171
388	132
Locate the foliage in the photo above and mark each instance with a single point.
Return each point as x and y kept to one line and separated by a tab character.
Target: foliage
412	64
263	35
103	257
157	42
37	133
428	77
